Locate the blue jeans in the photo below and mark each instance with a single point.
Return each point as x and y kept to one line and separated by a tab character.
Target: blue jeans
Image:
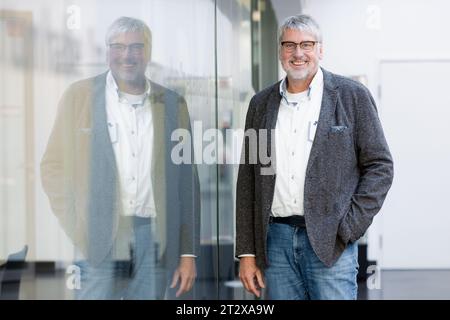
140	278
296	273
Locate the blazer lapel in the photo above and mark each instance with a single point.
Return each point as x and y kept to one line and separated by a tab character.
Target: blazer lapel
102	224
159	145
100	130
326	116
273	106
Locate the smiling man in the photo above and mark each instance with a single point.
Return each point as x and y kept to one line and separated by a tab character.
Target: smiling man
296	230
132	213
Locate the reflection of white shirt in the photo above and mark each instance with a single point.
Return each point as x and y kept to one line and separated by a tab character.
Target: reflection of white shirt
131	132
294	135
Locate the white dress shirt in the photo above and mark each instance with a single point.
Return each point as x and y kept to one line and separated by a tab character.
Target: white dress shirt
131	132
295	129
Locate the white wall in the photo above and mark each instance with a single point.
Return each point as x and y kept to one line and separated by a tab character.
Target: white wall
358	34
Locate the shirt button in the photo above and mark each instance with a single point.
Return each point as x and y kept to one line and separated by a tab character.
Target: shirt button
133	178
295	131
134	155
132	132
295	200
293	152
292	177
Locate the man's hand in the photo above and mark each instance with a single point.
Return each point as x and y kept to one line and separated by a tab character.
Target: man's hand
250	275
187	272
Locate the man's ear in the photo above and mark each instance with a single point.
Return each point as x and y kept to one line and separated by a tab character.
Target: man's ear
320	51
149	54
107	56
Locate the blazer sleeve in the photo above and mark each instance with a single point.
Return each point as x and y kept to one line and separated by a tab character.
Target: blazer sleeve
375	166
245	192
189	193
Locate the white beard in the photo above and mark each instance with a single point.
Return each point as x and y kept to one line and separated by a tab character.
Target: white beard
298	74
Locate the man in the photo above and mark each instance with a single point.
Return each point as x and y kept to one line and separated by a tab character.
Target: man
107	171
298	227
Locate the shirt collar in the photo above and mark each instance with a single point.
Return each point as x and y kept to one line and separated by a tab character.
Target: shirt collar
112	87
314	86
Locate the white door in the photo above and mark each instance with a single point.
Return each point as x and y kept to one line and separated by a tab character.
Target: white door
415	112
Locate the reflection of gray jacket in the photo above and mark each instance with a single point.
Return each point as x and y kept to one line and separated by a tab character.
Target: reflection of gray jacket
79	173
349	172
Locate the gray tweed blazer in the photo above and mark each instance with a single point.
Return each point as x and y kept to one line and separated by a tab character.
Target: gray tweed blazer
349	172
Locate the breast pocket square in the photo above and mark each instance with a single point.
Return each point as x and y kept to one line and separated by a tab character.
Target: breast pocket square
335	129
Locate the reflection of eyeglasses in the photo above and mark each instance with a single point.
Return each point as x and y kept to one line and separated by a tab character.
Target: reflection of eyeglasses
290	46
134	47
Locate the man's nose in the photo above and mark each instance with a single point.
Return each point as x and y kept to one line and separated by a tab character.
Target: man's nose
298	52
127	51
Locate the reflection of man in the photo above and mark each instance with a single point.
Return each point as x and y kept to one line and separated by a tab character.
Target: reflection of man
333	171
108	174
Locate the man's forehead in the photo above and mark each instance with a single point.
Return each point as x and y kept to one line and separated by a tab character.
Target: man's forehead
128	37
296	33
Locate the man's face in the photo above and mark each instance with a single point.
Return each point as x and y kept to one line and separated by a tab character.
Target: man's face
128	56
299	64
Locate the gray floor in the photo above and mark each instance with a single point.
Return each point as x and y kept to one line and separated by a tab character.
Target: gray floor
411	285
403	285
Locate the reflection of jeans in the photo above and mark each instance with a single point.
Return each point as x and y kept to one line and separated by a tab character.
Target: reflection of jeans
295	272
140	278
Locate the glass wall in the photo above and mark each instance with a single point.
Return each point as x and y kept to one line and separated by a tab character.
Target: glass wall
98	183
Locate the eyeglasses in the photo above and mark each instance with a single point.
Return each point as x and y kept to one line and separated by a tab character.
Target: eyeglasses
134	48
290	46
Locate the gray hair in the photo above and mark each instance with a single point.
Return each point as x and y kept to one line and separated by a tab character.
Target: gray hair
301	22
127	24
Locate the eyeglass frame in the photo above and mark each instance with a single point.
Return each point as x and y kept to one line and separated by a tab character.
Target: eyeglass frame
298	44
136	48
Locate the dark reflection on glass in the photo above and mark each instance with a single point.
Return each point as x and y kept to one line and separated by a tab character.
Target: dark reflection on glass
131	212
11	273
